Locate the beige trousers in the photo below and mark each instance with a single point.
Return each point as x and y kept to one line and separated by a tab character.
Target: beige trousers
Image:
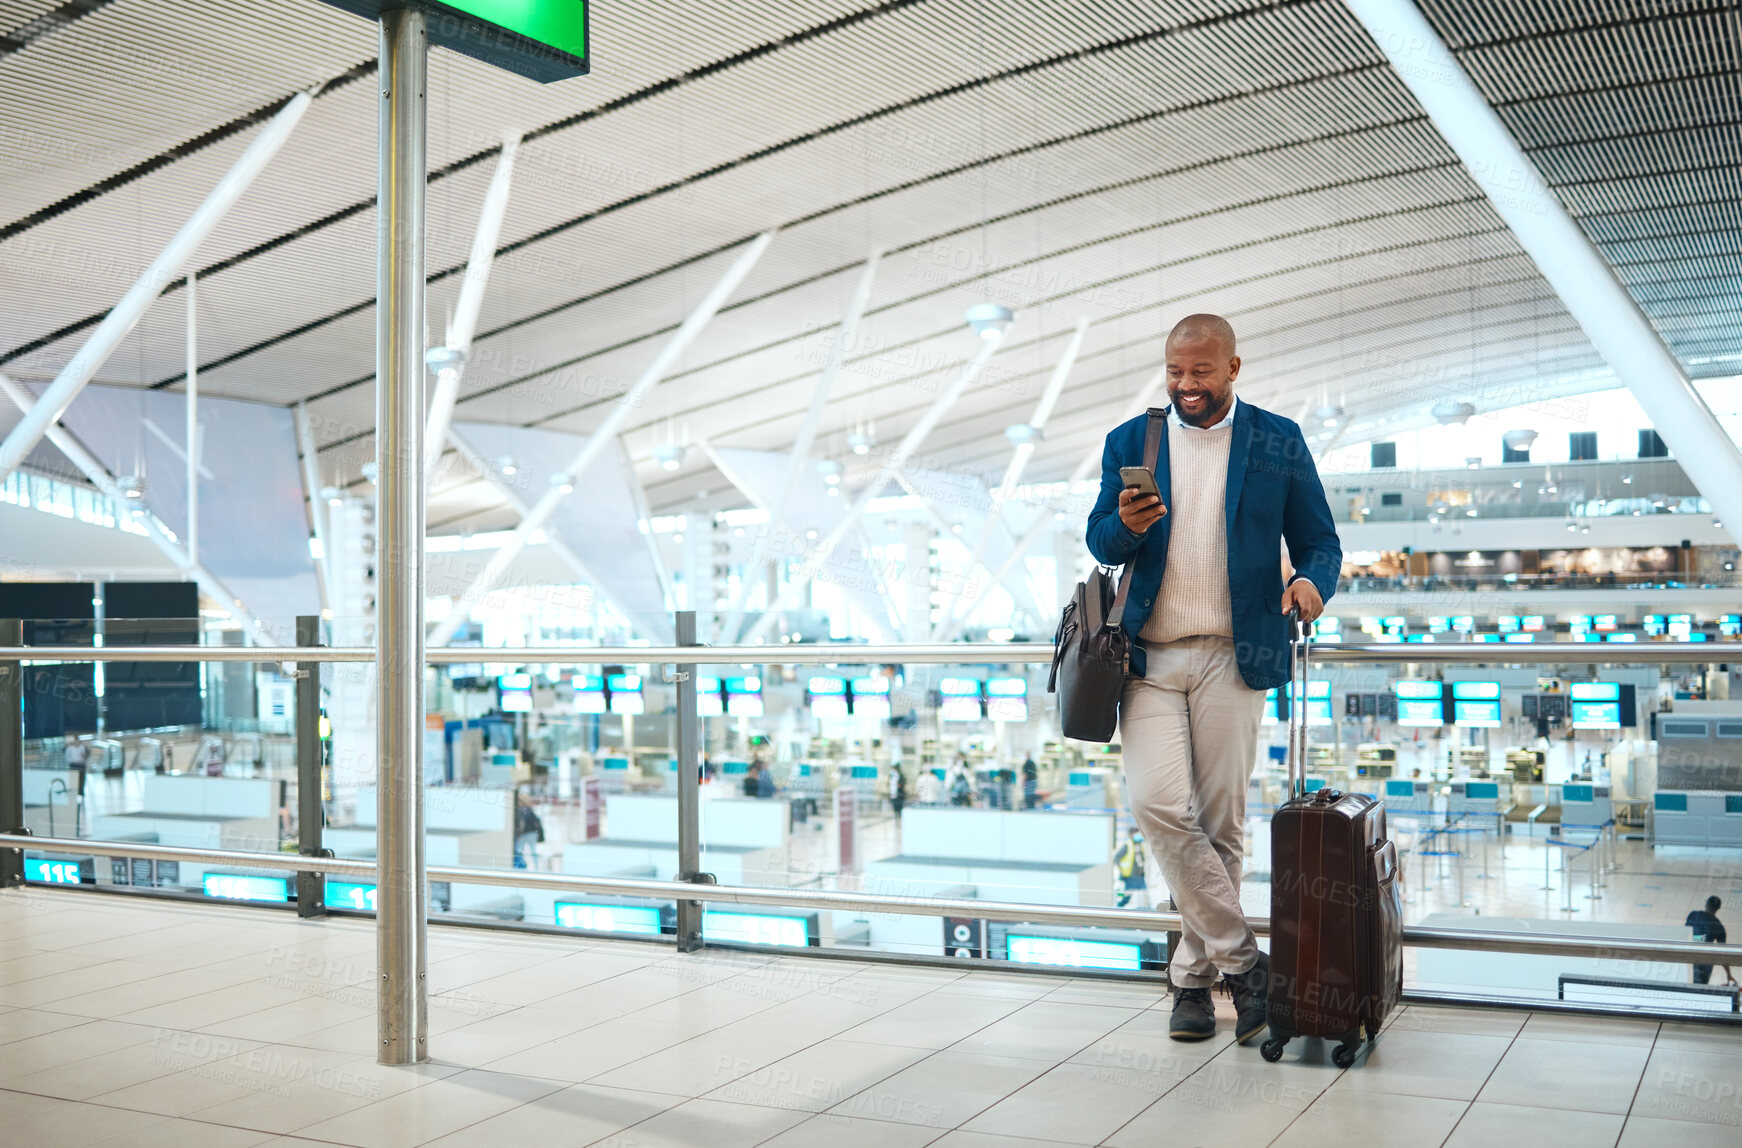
1189	730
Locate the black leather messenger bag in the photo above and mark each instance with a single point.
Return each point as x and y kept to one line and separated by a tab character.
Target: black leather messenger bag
1092	651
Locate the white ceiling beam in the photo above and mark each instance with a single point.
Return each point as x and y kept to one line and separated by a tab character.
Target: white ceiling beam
449	360
948	623
166	268
317	505
1568	260
1090	462
891	470
807	433
535	518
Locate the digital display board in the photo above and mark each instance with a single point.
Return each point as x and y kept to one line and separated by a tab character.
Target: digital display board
1621	637
1071	952
1730	625
959	709
871	698
1007	709
827	697
1420	703
1475	691
1007	687
1652	624
708	700
243	887
743	696
51	871
1596	715
642	920
1478	714
1595	691
351	895
759	928
626	697
1520	638
1438	624
516	693
1604	622
959	687
1509	623
1535	623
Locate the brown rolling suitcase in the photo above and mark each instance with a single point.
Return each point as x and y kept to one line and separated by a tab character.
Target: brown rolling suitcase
1336	918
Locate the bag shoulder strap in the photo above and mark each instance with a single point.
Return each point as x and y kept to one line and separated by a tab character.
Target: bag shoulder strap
1151	452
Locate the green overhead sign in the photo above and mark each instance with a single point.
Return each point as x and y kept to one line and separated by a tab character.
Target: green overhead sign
544	40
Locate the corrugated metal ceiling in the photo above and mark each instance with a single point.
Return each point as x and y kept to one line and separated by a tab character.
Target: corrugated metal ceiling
1126	161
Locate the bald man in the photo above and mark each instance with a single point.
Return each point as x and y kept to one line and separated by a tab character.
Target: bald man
1210	611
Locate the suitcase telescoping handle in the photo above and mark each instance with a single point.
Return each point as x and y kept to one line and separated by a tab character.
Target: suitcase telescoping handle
1297	709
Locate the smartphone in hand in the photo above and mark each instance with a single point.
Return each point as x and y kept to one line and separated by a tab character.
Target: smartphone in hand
1139	478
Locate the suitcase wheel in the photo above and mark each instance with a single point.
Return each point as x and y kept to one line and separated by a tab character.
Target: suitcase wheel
1271	1049
1343	1056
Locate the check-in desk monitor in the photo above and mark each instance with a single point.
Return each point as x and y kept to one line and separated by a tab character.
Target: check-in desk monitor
1476	705
1420	704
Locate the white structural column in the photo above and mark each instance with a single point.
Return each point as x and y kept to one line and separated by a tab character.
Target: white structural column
159	534
449	360
1090	462
596	440
948	623
1569	261
807	433
890	470
317	506
165	269
191	444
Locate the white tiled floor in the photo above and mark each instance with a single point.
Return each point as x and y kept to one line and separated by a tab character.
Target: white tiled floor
125	1023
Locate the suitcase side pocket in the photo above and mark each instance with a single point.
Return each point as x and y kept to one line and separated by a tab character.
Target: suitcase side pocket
1385	936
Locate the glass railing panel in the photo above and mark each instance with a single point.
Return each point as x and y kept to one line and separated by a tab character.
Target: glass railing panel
912	780
1564	800
195	754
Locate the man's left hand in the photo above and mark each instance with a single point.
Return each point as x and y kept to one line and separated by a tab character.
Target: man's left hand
1302	595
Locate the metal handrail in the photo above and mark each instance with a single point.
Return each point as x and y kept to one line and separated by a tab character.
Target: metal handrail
941	653
1602	948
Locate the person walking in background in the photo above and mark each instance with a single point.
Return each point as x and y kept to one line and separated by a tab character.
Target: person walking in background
931	787
1030	783
1209	607
528	831
1707	927
897	791
961	783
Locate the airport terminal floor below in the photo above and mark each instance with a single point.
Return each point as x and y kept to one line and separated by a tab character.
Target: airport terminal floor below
131	1023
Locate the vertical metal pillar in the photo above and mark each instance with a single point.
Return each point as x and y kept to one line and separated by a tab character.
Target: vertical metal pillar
401	891
12	752
689	791
311	888
192	444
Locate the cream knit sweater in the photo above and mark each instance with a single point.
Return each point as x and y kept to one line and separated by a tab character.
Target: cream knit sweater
1194	586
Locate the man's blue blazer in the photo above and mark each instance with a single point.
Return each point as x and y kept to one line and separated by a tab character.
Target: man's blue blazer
1273	494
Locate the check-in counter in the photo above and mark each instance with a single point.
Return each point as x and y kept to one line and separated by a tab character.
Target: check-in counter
1407	797
1091	787
201	813
744	842
1696	817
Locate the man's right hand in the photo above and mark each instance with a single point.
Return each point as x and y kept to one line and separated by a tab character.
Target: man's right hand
1139	511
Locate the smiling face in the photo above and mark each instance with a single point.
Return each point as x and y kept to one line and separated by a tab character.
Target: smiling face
1201	369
